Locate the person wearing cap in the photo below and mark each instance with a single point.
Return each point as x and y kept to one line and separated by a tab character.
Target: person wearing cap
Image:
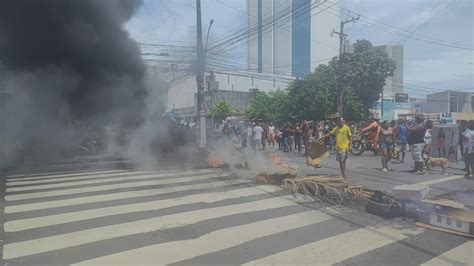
343	136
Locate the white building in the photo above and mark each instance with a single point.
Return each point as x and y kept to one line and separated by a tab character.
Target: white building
181	92
448	101
291	37
394	84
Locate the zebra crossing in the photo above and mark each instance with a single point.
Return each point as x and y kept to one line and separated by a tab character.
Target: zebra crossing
111	217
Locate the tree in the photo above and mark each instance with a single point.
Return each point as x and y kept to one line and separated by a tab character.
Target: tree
272	106
365	72
314	96
221	110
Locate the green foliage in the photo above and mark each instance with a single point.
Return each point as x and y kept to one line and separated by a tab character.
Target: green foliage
221	110
314	97
365	72
272	106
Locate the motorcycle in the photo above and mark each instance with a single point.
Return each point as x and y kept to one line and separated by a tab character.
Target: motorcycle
362	144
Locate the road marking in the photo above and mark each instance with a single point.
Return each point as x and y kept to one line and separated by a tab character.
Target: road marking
72	191
86	177
440	180
460	255
37	222
134	177
46	244
12	178
339	247
171	252
109	197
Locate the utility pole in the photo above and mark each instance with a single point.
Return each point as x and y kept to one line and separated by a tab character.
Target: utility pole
341	58
381	106
200	78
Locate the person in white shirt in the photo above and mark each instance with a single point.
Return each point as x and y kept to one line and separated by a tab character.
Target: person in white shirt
468	136
257	137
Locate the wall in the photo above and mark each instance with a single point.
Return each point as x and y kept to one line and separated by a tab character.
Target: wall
295	44
324	46
463	101
181	93
462	116
440	102
239	100
267	37
301	37
252	47
394	84
437	103
281	39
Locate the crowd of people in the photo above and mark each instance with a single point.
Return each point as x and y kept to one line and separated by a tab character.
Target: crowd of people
288	136
393	138
390	139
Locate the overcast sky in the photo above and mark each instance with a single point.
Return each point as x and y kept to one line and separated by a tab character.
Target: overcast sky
427	67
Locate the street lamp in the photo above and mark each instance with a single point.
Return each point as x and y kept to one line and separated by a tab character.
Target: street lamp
207	37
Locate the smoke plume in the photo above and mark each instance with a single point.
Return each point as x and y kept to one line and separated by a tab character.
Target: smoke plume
67	68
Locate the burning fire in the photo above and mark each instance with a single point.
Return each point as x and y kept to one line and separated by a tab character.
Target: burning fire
276	159
289	169
214	160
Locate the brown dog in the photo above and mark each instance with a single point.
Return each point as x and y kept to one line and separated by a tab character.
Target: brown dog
433	161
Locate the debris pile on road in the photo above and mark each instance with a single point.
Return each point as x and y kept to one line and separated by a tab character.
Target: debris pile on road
274	179
328	189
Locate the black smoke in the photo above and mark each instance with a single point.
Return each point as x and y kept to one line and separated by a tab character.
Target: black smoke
64	63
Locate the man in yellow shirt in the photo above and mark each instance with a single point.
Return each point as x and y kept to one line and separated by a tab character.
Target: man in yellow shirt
343	143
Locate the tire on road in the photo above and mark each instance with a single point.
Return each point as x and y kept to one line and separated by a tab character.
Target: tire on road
357	148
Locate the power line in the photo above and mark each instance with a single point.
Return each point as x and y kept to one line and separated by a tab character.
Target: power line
382	26
307	63
420	23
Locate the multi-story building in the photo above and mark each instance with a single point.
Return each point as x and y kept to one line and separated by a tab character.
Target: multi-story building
449	101
291	37
181	93
394	84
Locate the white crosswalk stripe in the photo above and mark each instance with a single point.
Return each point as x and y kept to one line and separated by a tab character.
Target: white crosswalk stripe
18	179
25	224
173	251
36	246
460	255
339	247
116	174
50	214
63	192
107	197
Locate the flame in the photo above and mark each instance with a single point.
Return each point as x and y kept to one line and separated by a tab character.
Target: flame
288	168
276	159
214	160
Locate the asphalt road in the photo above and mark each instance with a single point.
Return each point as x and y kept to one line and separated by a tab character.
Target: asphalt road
62	215
367	170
